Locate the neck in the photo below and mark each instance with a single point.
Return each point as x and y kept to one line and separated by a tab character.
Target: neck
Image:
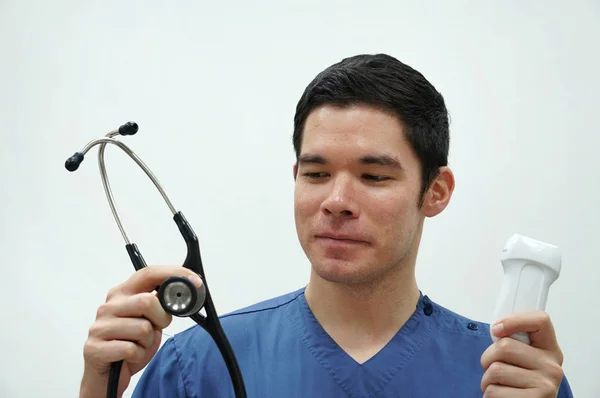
362	318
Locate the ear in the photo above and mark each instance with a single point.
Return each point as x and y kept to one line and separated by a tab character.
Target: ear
439	193
295	171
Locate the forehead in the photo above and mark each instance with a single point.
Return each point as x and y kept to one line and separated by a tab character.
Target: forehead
353	130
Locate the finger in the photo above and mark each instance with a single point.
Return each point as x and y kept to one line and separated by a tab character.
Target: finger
498	391
148	278
514	352
536	323
106	352
138	330
142	305
510	376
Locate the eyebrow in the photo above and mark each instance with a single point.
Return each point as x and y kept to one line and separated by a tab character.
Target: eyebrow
380	160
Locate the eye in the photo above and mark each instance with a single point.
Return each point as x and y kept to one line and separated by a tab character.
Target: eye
375	178
314	176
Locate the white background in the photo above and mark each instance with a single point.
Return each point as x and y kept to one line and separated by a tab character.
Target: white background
213	89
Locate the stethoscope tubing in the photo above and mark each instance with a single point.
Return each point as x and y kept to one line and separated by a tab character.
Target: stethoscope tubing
201	299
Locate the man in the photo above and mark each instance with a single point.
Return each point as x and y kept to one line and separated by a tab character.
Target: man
371	138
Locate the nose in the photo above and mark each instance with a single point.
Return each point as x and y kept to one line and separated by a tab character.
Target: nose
340	200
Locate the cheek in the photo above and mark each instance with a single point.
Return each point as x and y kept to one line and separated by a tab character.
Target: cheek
394	216
304	206
389	215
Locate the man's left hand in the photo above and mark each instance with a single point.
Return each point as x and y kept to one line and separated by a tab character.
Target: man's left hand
514	369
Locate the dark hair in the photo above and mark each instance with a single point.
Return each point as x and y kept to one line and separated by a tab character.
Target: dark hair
384	82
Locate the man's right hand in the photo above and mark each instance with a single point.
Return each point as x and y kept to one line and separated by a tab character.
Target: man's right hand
128	327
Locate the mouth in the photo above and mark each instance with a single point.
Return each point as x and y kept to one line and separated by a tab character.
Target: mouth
340	239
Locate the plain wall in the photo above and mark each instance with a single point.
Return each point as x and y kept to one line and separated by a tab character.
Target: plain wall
213	88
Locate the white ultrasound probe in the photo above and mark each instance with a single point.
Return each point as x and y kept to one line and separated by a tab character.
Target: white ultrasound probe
530	267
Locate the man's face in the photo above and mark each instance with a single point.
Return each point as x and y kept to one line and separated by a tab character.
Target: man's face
356	193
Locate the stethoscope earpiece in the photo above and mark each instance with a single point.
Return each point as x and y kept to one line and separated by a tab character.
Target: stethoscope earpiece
177	295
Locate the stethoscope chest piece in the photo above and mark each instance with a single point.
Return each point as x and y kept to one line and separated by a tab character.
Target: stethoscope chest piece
180	297
177	295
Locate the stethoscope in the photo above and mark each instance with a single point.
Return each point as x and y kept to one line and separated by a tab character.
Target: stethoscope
177	295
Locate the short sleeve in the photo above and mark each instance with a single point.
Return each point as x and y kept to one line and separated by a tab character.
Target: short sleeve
162	377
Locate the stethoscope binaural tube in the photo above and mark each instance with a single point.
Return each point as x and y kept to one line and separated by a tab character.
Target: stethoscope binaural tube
177	295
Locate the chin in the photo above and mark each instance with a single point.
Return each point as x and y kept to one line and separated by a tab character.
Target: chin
343	271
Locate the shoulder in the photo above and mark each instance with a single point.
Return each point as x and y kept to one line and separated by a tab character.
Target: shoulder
453	322
469	337
245	322
263	306
452	335
194	352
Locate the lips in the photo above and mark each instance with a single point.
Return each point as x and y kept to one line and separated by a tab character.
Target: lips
341	238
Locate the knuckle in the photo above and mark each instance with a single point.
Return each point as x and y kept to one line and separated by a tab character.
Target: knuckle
491	392
129	351
145	301
95	329
548	388
103	310
165	320
146	329
504	345
556	373
486	357
148	340
90	348
495	371
149	272
544	319
112	292
560	358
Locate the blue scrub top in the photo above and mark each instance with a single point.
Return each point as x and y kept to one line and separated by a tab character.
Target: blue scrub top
284	352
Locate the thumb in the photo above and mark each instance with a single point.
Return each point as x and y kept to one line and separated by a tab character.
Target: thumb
146	279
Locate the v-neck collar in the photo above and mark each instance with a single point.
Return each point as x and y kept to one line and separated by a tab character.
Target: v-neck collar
361	380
